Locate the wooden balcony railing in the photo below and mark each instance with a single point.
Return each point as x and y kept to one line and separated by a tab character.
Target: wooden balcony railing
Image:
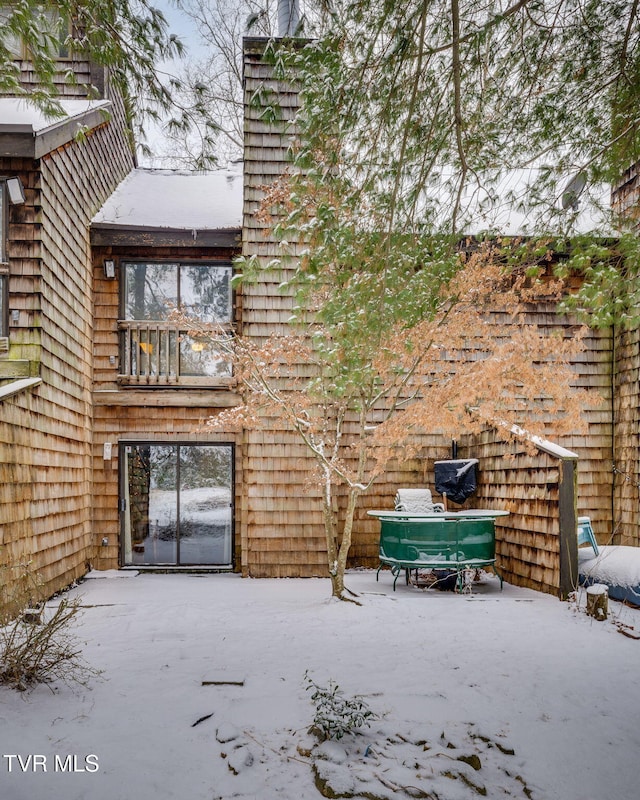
159	353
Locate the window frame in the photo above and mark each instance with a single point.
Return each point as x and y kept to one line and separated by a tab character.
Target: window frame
4	263
4	222
20	50
136	368
178	264
124	450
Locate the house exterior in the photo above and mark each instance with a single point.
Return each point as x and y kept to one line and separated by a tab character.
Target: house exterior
46	363
105	457
166	489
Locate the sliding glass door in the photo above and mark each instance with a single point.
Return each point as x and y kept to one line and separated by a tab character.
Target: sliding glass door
177	504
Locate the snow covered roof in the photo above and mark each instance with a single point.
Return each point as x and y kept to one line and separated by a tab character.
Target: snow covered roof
25	131
159	199
18	116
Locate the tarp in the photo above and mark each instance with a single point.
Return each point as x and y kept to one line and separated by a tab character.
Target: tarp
457	478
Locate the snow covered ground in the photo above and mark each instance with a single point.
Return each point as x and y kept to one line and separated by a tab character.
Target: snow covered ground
496	694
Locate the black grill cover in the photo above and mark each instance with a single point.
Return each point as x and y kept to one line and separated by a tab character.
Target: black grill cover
457	478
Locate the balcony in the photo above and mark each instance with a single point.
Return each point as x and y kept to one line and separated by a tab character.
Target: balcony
158	354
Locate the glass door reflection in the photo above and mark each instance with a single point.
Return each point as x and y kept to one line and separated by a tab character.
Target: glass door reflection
178	505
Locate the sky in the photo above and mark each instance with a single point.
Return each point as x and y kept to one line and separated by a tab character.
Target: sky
181	25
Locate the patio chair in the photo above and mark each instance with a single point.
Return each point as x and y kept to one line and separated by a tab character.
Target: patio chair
586	534
417	501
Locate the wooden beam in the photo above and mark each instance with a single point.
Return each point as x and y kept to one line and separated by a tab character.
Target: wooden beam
120	236
160	398
14	368
15	387
568	514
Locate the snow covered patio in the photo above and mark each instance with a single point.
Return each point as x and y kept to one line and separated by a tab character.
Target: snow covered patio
503	694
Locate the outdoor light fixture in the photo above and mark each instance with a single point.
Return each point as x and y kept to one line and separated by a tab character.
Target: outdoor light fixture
15	190
109	266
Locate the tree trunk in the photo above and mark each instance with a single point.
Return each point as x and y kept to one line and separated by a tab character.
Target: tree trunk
347	530
330	531
598	601
337	557
355	491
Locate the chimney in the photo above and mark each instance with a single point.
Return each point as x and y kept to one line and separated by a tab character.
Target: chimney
288	17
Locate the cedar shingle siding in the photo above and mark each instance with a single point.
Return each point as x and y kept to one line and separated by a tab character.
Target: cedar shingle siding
46	433
284	531
59	497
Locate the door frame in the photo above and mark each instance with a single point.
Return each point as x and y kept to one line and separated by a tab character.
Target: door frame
123	491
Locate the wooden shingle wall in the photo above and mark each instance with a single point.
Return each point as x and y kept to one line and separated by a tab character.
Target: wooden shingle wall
45	435
284	526
530	486
593	370
284	531
24	249
625	528
87	77
626	458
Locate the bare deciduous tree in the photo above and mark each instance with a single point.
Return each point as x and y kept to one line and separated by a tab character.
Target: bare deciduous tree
359	395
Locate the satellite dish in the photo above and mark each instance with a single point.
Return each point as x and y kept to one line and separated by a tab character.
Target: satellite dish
573	190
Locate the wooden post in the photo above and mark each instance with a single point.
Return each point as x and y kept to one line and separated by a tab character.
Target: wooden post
598	601
568	522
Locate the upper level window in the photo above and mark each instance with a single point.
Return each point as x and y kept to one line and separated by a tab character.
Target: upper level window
53	30
153	291
155	349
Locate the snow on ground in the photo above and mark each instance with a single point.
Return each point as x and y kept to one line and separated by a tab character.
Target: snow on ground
496	694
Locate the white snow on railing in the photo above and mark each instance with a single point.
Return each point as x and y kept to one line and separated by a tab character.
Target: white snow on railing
544	444
15	387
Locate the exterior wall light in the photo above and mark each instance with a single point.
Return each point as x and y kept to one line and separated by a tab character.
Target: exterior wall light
109	266
15	190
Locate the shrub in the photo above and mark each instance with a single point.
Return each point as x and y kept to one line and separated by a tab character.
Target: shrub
336	714
37	644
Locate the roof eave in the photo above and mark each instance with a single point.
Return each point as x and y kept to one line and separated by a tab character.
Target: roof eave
110	235
22	141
